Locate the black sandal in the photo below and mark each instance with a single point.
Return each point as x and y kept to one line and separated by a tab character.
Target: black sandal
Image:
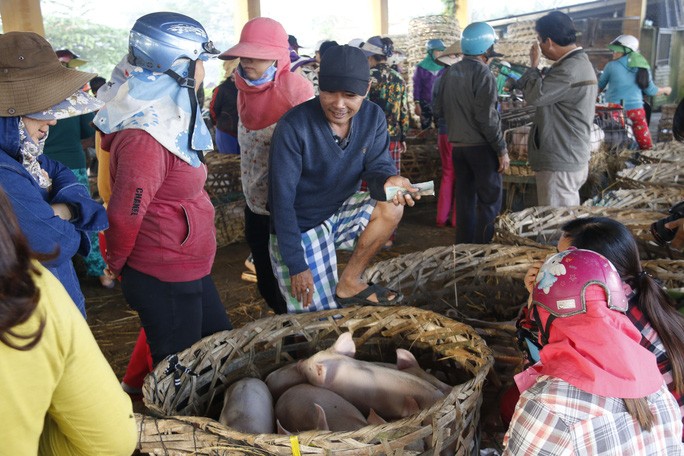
381	293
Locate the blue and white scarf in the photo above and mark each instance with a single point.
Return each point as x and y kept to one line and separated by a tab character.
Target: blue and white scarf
155	103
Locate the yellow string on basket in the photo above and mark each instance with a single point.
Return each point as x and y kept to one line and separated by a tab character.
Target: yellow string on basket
294	441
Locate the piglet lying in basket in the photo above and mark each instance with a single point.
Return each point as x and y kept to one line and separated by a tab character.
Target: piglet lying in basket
248	407
331	391
392	393
306	407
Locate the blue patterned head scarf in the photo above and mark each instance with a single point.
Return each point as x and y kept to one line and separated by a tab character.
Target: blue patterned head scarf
156	103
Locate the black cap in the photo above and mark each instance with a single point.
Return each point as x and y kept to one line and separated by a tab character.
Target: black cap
292	40
325	45
344	69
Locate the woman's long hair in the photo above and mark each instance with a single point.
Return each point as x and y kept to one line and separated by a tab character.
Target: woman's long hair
643	79
613	240
18	293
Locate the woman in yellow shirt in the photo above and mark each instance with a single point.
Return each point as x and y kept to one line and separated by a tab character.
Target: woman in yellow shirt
59	395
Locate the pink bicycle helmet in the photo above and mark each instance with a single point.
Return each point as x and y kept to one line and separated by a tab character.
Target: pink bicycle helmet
563	280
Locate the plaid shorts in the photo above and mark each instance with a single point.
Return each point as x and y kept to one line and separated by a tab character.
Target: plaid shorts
340	231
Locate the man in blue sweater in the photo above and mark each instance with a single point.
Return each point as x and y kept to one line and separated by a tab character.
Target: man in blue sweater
320	152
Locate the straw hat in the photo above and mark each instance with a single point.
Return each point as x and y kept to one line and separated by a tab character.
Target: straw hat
31	77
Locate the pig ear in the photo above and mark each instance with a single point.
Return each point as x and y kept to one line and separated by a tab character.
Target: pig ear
374	418
321	419
410	406
405	359
281	429
345	345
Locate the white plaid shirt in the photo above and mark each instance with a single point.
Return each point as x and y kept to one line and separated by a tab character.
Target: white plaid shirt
554	418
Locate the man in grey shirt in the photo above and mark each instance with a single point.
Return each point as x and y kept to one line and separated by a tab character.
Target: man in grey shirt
565	97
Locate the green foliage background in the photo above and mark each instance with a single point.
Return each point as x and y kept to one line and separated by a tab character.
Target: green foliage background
102	47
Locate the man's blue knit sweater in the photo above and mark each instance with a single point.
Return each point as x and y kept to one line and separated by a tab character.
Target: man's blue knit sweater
311	176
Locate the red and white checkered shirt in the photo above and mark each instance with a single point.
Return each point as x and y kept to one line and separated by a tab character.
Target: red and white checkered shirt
556	419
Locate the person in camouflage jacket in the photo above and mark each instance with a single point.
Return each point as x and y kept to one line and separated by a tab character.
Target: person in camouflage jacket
388	90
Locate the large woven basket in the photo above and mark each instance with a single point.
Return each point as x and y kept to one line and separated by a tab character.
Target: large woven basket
481	285
223	174
229	219
421	162
480	281
653	174
670	273
651	198
539	225
446	346
667	152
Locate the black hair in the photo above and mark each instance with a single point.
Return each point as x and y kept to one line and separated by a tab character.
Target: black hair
325	45
557	26
678	122
643	79
614	241
19	294
96	83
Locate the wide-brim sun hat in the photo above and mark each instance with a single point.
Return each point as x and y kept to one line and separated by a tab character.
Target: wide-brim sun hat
31	77
261	38
453	49
79	103
373	46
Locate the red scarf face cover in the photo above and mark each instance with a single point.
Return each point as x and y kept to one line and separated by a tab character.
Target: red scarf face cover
598	352
263	105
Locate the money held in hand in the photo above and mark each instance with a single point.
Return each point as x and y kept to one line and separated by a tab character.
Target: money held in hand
424	189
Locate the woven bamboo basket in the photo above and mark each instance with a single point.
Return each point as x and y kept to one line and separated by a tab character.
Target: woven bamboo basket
537	226
421	162
670	273
480	285
223	174
229	219
451	349
420	30
669	152
479	281
654	174
650	198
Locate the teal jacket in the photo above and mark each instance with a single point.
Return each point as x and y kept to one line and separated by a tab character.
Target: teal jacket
622	86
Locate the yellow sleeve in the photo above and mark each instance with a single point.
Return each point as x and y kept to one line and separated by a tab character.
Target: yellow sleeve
104	186
89	413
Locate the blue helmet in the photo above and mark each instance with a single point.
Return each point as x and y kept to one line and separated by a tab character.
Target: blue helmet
435	45
158	39
477	38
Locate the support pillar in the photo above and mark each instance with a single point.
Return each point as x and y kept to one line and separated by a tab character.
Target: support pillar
21	16
462	15
244	11
634	8
380	11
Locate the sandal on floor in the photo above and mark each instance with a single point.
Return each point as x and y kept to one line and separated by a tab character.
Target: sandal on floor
361	298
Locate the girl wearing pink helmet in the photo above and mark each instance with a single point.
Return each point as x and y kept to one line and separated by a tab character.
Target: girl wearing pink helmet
596	390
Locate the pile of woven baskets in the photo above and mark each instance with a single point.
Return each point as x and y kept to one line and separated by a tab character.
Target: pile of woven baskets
421	30
190	388
515	45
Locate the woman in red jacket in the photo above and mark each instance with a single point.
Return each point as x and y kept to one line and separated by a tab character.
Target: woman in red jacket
162	239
